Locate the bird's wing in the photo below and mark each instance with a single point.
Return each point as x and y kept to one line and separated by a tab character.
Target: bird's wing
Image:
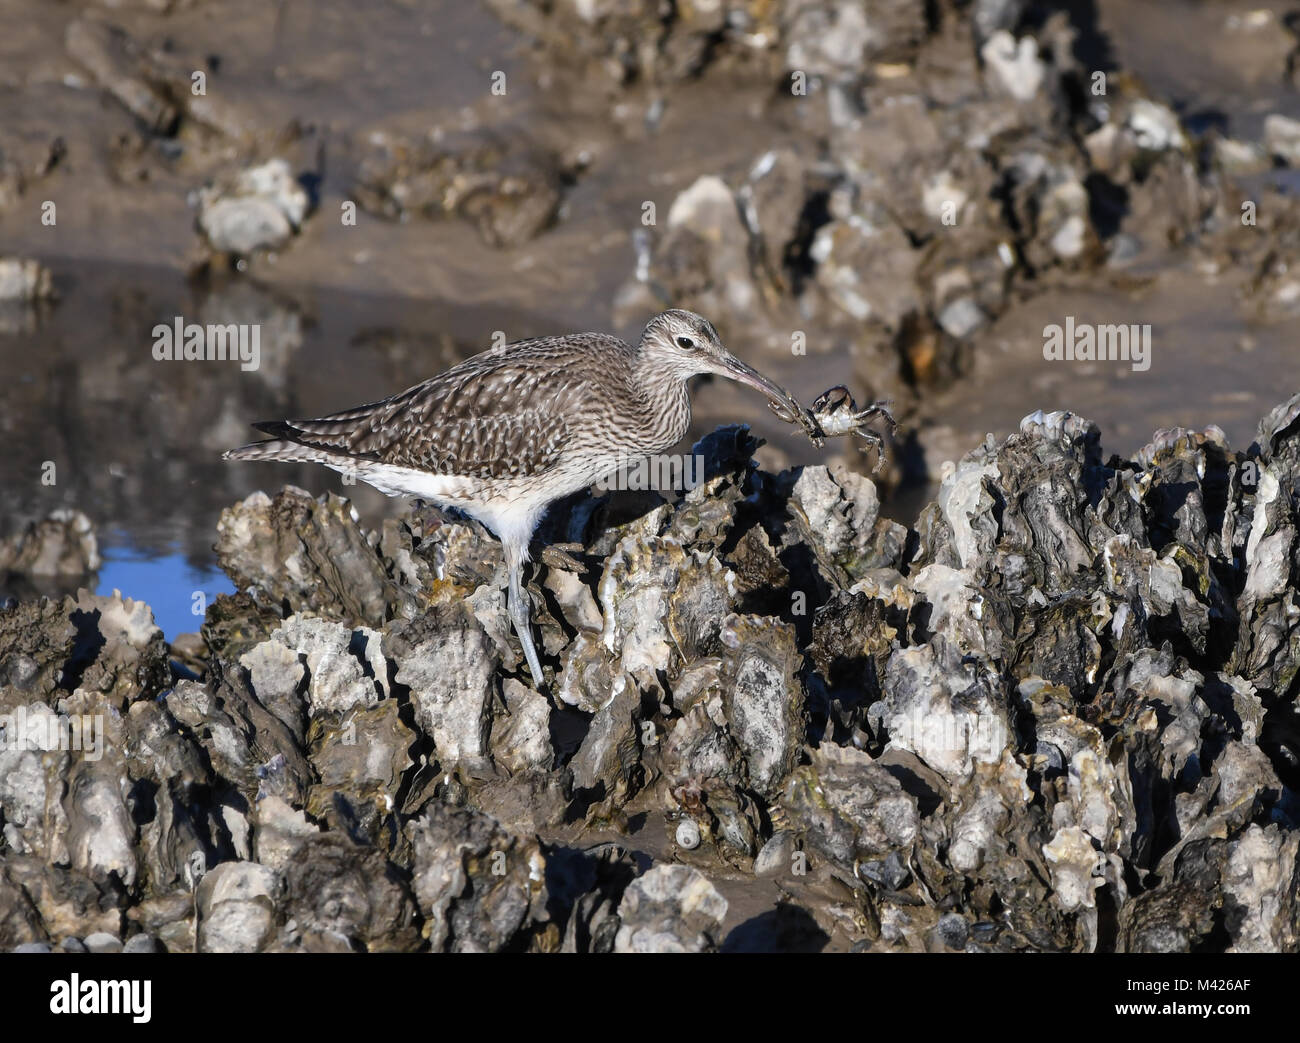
499	414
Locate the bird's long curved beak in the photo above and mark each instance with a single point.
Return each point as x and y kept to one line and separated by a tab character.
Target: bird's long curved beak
735	369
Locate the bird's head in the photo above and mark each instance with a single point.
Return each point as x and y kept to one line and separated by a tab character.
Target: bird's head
682	344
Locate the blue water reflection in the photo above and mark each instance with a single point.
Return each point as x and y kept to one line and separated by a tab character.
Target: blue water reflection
177	592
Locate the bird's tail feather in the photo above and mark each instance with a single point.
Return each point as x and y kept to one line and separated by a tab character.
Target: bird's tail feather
282	449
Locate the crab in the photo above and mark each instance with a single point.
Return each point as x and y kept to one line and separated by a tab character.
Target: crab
834	413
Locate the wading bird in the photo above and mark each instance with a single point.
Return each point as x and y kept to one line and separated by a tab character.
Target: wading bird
508	432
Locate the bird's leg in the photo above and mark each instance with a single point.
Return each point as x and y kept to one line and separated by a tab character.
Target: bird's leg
518	607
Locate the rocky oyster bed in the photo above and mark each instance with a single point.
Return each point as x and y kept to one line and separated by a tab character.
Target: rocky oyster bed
1057	714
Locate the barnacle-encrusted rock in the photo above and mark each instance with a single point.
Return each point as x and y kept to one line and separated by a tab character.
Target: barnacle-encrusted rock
511	193
279	832
947	706
61	544
762	697
340	897
448	664
360	758
238	908
62	804
20	922
1055	716
331	896
180	831
120	654
259	208
848	807
69	903
642	41
1175	918
37	640
1267	651
522	739
1259	884
638	578
670	909
247	744
309	553
608	761
841	513
479	888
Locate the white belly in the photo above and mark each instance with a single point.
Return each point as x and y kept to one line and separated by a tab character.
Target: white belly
511	508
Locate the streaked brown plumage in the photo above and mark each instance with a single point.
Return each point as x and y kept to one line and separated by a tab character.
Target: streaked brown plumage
504	434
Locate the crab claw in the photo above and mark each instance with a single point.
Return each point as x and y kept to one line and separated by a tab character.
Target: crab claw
793	413
783	412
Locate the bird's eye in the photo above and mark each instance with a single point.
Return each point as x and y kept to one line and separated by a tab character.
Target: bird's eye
685	342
